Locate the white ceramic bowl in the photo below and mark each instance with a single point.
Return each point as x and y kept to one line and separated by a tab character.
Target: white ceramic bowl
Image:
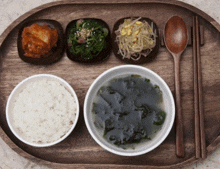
20	87
169	108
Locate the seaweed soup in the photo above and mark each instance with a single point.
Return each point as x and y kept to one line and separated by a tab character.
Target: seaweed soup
128	110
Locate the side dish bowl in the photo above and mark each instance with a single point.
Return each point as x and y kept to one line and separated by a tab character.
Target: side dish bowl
168	106
77	57
56	51
37	113
150	54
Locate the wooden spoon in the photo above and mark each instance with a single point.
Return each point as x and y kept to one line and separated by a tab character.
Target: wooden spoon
176	38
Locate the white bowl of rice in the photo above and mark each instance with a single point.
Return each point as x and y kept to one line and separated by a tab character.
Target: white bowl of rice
42	110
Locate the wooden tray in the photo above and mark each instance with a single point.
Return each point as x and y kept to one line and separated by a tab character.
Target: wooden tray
79	149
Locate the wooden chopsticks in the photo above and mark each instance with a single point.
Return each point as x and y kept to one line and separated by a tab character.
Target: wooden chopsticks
200	146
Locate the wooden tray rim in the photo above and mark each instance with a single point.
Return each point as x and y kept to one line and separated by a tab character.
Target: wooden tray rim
210	149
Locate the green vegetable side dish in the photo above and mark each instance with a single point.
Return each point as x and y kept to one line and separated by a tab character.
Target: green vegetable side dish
87	39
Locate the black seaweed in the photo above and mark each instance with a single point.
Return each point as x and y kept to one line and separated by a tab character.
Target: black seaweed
128	111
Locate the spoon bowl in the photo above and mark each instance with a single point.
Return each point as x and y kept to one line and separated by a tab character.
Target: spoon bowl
176	38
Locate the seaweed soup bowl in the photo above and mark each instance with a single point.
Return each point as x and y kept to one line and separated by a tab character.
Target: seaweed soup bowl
168	106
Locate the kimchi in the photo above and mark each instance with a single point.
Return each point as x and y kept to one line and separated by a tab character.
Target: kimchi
37	40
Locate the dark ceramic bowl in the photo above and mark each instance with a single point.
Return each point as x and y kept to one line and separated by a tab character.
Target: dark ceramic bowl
57	52
151	56
104	54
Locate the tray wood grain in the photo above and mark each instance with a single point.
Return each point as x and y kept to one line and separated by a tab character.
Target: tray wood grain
79	149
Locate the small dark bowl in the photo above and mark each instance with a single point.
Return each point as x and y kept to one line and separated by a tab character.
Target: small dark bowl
104	54
57	52
151	56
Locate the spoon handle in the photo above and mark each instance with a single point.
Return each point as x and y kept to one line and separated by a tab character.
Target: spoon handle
179	122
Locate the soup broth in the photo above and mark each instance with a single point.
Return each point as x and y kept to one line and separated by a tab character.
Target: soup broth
128	110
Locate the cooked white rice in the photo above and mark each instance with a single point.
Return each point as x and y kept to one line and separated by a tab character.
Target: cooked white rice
44	111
